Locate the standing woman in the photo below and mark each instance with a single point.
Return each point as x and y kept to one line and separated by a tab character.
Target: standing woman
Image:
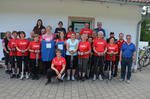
61	43
60	29
6	51
47	48
71	56
22	54
70	32
34	48
13	53
112	51
99	48
84	50
39	26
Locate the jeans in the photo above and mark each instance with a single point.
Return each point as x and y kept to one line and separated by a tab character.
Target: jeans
126	63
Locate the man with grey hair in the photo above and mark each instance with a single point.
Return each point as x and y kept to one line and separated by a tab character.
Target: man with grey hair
99	28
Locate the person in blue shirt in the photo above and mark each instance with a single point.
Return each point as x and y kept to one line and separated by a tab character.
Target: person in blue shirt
99	28
127	56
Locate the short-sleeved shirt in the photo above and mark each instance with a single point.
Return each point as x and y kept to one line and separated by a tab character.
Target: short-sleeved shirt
58	63
69	35
100	29
99	44
87	31
128	50
12	45
22	44
111	48
84	47
34	46
72	46
58	30
120	43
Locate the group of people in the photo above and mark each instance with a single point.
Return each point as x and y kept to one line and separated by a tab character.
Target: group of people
67	54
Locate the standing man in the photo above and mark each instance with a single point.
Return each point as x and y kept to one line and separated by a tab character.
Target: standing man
120	42
127	56
99	28
86	30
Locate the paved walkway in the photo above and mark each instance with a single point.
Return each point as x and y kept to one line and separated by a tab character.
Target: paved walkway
139	88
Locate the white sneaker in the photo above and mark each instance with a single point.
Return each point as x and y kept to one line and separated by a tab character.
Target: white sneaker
68	77
94	78
128	81
27	76
22	76
62	77
73	78
100	77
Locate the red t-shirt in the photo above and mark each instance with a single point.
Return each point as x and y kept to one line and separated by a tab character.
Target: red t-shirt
86	31
99	44
12	45
69	35
58	63
119	43
22	44
111	48
84	47
34	46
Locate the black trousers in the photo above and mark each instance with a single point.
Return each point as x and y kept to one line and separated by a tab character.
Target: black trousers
21	59
13	61
34	68
6	55
98	65
46	65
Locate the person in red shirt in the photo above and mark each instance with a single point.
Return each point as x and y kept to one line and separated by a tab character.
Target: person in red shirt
13	53
84	49
57	67
22	54
86	30
34	49
120	42
99	48
112	51
70	32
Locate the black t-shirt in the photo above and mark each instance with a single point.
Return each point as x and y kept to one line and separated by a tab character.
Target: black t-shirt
58	30
37	30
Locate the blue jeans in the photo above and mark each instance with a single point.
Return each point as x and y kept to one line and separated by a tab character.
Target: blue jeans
126	63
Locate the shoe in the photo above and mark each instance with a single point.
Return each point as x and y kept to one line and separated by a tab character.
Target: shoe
94	78
68	77
121	79
72	78
60	80
13	76
21	77
62	77
128	81
48	81
27	76
17	76
83	78
100	77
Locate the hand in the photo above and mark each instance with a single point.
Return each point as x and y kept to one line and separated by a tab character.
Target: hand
59	76
134	59
37	51
81	53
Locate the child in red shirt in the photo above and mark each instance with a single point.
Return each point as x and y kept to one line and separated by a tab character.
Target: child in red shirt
57	67
34	48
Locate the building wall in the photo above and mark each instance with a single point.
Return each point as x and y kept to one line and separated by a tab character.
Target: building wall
22	15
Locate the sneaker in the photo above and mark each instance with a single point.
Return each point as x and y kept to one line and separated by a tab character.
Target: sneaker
68	77
62	77
128	81
121	79
72	78
48	81
21	77
100	77
94	78
27	76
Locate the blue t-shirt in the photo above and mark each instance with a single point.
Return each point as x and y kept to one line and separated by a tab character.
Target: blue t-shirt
72	46
61	46
128	50
47	50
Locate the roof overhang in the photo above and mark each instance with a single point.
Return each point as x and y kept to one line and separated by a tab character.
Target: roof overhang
124	2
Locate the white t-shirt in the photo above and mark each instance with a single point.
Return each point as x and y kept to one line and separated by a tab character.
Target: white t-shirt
72	46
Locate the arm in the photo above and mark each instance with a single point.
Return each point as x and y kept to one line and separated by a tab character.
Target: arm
120	56
53	68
